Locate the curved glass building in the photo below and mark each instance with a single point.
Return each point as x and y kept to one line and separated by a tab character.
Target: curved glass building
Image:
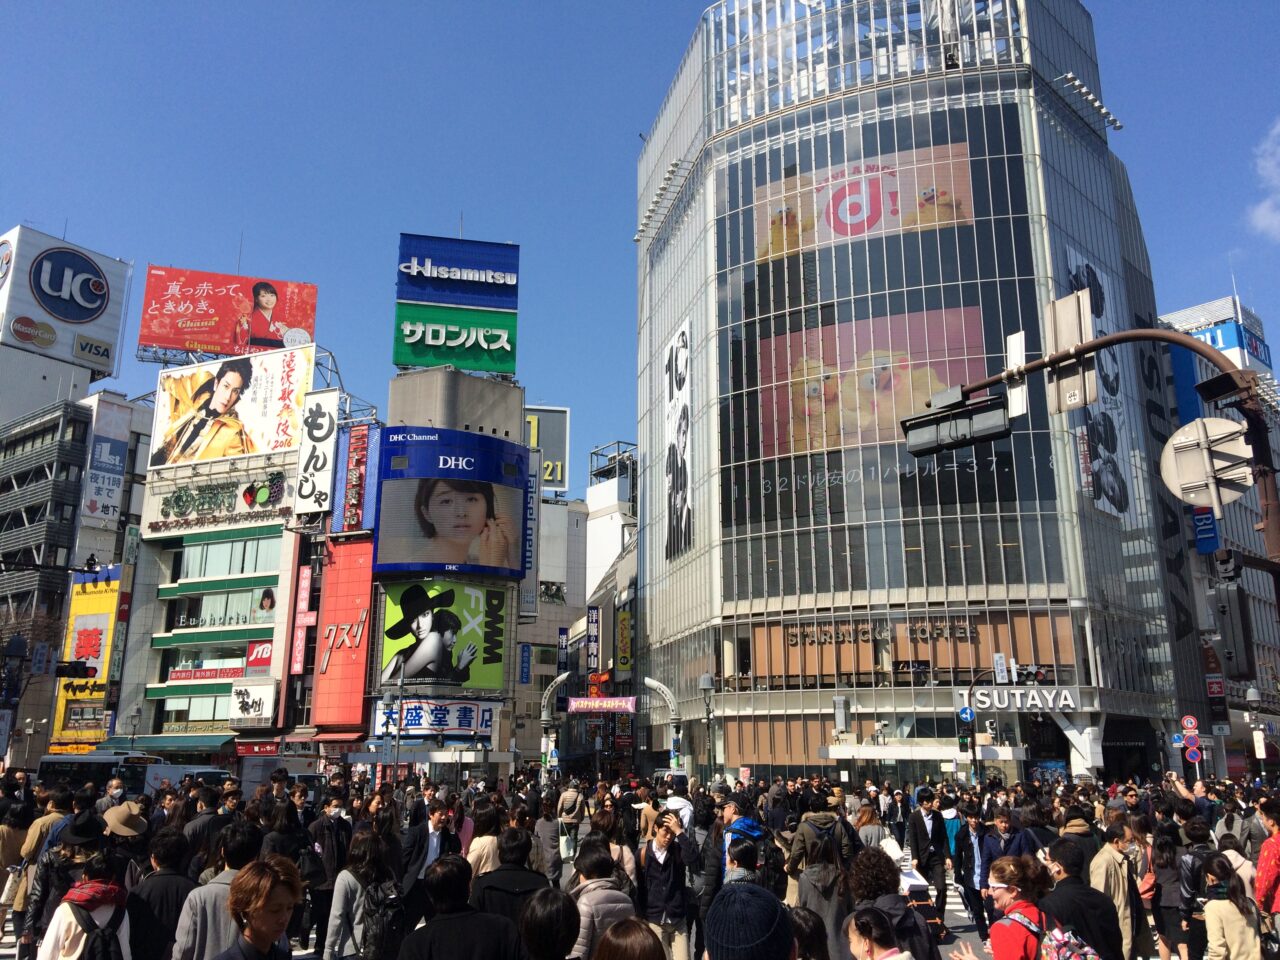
845	207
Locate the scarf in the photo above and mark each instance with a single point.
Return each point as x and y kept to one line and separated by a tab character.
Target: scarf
95	893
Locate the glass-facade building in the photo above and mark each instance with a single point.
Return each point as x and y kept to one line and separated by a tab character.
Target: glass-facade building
844	208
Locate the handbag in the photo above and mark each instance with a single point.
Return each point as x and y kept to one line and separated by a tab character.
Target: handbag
1268	936
10	892
311	866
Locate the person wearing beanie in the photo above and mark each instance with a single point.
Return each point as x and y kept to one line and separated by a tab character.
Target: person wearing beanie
747	922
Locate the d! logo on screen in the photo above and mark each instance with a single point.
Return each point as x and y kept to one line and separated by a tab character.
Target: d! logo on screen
69	286
857	206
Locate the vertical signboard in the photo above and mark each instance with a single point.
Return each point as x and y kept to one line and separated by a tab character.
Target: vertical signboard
676	388
303	617
593	638
547	428
532	514
317	452
526	663
622	646
100	502
342	641
356	499
562	665
78	723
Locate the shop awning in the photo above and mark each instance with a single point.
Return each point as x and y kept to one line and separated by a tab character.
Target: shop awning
169	743
355	736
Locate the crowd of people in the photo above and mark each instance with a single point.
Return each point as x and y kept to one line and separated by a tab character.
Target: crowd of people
640	870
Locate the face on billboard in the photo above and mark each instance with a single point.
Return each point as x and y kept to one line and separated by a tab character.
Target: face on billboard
231	408
441	631
225	314
450	501
853	383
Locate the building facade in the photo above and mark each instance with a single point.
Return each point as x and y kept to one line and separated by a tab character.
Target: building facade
845	208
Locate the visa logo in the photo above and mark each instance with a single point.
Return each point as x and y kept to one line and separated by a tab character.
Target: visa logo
88	348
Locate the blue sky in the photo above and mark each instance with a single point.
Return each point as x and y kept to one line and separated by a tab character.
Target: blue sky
321	131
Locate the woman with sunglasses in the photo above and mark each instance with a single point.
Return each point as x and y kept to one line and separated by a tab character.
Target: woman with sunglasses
1016	884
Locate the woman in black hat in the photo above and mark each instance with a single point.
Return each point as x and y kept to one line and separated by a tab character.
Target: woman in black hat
435	632
58	870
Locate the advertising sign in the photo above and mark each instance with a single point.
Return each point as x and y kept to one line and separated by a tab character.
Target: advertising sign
913	190
1238	343
464	273
441	717
191	506
445	631
342	640
532	515
526	663
103	490
257	661
602	704
430	335
562	664
225	314
253	704
205	673
679	411
303	617
450	501
593	638
356	499
622	647
317	453
91	622
231	408
547	429
60	300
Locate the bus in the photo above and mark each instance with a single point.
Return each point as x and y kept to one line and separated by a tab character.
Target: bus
78	769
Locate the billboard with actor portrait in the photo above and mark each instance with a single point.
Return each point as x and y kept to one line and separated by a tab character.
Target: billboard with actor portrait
225	314
231	408
445	632
450	501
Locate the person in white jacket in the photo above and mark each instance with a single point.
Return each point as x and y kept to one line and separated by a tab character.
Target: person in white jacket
97	895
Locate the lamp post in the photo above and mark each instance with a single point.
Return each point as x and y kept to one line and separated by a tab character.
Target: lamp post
29	727
707	685
388	711
135	718
1254	699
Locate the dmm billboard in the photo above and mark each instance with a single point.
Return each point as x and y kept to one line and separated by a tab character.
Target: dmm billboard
447	632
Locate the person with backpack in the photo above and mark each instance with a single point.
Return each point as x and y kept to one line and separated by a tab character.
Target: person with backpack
262	901
1078	907
821	823
875	881
91	922
1191	885
735	822
1016	884
601	902
823	888
664	863
366	919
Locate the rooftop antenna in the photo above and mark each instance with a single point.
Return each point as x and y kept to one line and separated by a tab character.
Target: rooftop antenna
459	224
1235	293
241	251
65	223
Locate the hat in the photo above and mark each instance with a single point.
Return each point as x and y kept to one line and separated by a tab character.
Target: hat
85	827
835	802
737	799
414	602
125	820
873	789
747	922
720	789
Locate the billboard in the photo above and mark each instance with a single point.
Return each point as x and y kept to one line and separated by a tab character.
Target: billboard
445	631
247	498
100	501
852	383
431	335
464	273
78	718
450	501
529	551
231	408
224	314
342	635
439	717
61	301
355	496
547	429
912	190
318	451
679	411
253	704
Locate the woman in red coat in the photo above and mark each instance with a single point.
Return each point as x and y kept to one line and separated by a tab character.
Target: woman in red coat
1266	885
1016	884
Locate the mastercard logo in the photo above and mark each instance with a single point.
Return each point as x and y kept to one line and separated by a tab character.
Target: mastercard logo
34	332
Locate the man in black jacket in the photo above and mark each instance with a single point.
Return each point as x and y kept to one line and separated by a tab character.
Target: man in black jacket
1191	885
505	889
969	843
201	831
332	833
930	852
664	862
458	931
424	844
155	904
1076	906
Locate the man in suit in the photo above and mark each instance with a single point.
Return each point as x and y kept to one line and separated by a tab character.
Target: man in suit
969	867
424	845
930	852
1077	907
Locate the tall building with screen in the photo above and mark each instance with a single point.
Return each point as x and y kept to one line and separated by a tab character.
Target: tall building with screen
844	208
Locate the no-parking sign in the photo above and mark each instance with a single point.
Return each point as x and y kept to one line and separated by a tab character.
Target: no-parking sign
1189	723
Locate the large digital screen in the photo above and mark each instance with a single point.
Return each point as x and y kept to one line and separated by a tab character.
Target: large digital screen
447	632
231	408
450	501
223	313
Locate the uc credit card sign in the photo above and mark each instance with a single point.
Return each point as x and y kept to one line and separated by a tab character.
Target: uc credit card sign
456	272
450	501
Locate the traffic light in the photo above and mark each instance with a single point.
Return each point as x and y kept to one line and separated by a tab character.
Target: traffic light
961	423
76	669
965	736
1231	609
964	743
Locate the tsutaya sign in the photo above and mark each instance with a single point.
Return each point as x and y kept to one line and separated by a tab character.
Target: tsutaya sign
1022	698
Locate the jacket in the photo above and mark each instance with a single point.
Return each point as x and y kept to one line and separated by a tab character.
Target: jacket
55	875
463	935
1012	940
663	881
1111	874
66	938
483	855
345	929
505	890
154	908
1191	878
967	862
600	905
223	436
712	859
1082	834
334	836
911	929
819	891
810	834
995	846
202	830
546	837
205	928
648	822
1267	882
416	845
571	806
928	848
31	852
1091	915
1231	936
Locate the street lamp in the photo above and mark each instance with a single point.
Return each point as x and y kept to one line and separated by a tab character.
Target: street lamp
29	730
135	718
388	711
1254	699
707	685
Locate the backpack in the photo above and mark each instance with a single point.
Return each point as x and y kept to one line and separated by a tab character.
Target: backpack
383	920
772	874
704	811
1057	944
101	943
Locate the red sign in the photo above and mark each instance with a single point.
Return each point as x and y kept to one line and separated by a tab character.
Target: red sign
1189	723
298	661
208	673
271	749
621	743
343	636
257	661
224	314
1215	688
